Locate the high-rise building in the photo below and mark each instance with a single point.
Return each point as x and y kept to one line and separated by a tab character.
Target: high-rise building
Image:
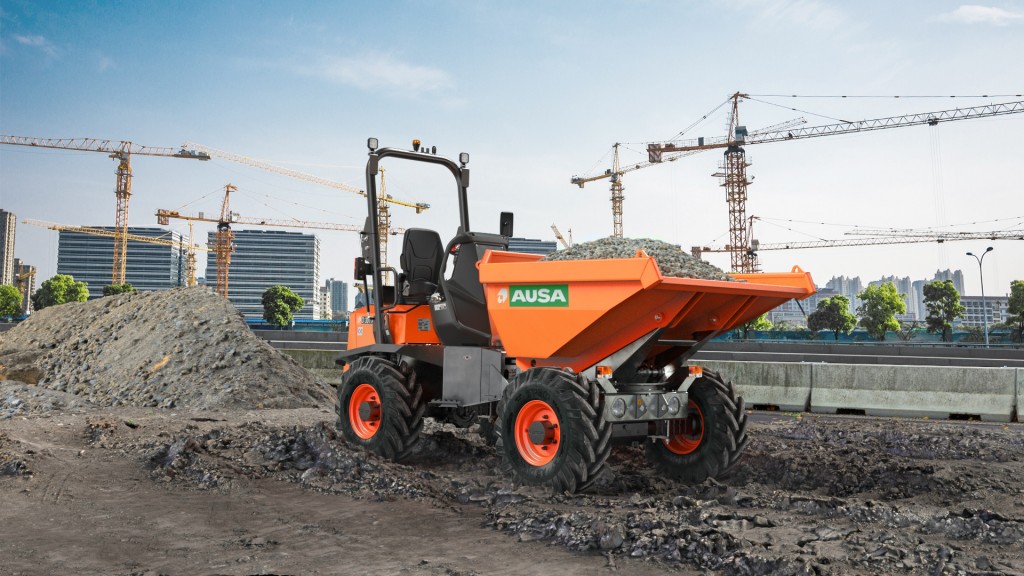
325	303
339	298
22	270
905	287
265	258
848	287
7	223
148	267
918	289
956	276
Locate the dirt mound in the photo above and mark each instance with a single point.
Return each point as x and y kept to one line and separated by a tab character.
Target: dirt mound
181	348
672	261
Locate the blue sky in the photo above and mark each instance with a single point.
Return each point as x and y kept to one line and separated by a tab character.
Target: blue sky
536	92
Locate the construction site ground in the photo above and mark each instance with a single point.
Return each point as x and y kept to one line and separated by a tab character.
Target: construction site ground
142	491
154	434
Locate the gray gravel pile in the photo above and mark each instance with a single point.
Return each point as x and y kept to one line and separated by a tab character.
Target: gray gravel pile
20	399
672	261
810	497
181	348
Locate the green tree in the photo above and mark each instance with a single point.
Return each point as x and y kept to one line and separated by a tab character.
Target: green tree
943	304
10	301
1016	309
878	309
760	323
280	304
59	289
832	314
113	289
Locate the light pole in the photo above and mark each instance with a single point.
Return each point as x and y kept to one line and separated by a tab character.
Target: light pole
981	273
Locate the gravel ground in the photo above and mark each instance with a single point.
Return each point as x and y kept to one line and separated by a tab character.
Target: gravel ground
812	495
182	348
672	261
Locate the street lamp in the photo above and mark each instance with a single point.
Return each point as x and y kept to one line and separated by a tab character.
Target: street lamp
981	273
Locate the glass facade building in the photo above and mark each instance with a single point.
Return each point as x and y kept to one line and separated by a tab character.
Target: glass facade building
148	267
265	258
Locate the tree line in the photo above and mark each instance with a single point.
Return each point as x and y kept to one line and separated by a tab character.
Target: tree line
882	303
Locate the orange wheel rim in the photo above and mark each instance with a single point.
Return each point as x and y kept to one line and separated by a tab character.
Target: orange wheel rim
537	433
686	434
364	411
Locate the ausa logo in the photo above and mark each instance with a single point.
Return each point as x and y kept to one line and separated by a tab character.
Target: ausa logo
539	295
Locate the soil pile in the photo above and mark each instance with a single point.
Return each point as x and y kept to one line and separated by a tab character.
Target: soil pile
181	348
672	261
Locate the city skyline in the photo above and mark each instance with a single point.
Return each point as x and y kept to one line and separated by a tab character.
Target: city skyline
536	93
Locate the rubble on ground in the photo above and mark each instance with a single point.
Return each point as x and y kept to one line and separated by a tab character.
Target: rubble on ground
180	348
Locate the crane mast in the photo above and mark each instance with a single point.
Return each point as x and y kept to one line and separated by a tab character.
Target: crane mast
121	152
743	257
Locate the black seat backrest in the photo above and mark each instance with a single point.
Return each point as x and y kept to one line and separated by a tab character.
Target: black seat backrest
422	253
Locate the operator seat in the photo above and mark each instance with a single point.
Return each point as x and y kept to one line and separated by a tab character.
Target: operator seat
421	264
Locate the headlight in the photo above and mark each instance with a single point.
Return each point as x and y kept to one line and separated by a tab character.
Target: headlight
674	405
618	408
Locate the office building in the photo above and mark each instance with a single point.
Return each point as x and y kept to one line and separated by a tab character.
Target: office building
7	225
265	258
148	267
532	246
997	308
339	298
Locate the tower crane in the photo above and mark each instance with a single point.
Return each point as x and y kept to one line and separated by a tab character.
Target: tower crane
616	172
734	179
223	242
893	237
189	249
121	152
383	200
560	238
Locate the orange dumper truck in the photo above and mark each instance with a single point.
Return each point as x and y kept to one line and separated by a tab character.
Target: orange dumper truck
555	360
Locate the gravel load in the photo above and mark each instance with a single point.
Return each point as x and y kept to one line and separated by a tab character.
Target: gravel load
181	348
672	261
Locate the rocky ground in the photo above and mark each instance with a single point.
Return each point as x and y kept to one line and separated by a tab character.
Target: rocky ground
813	495
153	434
671	259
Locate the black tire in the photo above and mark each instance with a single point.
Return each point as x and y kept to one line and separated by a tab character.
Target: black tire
723	437
584	437
399	408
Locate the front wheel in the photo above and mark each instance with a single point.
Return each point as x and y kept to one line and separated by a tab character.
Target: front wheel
551	430
709	441
379	408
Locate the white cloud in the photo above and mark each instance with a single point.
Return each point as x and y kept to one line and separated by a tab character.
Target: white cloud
105	63
380	72
39	42
806	14
974	14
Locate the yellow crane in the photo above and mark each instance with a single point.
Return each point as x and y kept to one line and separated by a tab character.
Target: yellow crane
733	170
189	249
121	152
560	238
223	244
383	200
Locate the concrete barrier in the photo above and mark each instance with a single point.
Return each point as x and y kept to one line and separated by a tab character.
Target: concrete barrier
917	391
786	385
312	359
1019	406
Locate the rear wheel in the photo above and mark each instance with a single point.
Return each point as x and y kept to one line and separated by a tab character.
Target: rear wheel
551	430
710	440
380	408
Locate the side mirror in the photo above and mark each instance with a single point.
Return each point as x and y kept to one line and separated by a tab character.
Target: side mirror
505	224
362	268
